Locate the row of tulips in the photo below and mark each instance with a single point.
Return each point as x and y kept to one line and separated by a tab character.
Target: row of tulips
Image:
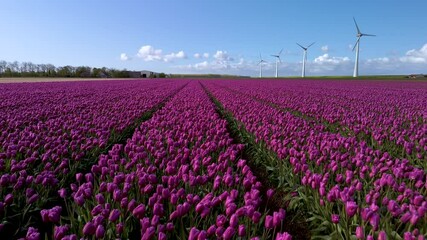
388	115
351	190
49	131
179	177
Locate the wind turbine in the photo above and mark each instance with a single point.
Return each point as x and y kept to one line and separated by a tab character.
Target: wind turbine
277	61
261	61
304	58
356	46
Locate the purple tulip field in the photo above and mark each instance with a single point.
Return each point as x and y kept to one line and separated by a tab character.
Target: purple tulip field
213	159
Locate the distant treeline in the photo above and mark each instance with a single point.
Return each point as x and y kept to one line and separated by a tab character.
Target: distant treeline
29	69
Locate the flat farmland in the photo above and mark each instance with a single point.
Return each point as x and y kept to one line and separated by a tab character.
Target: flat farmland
213	159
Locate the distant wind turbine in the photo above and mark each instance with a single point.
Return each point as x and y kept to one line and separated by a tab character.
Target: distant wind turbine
356	46
277	61
304	58
261	61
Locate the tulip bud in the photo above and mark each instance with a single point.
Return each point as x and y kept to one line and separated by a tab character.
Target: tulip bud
155	220
270	193
211	230
234	220
89	229
79	177
158	209
32	234
256	217
194	232
351	208
114	215
60	232
283	236
62	193
45	215
277	219
161	236
55	214
139	211
375	221
360	234
414	218
149	233
119	228
132	205
268	222
241	230
335	218
407	236
219	231
382	236
8	199
100	231
228	233
169	227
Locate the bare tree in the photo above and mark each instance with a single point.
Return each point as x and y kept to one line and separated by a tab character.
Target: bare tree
3	65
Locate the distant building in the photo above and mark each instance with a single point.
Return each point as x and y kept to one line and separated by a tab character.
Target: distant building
416	76
143	74
102	75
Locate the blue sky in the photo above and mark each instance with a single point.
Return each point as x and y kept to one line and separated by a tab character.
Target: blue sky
222	36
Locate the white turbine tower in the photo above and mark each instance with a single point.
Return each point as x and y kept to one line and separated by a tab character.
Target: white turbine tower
304	58
277	62
356	46
261	61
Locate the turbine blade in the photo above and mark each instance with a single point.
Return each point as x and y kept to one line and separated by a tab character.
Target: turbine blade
300	46
369	35
280	60
311	45
280	52
358	30
357	42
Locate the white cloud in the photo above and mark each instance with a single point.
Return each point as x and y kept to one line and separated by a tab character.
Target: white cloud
149	53
325	58
379	60
328	65
414	61
172	56
221	66
205	65
201	66
222	56
325	48
381	65
416	56
199	55
124	57
222	61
